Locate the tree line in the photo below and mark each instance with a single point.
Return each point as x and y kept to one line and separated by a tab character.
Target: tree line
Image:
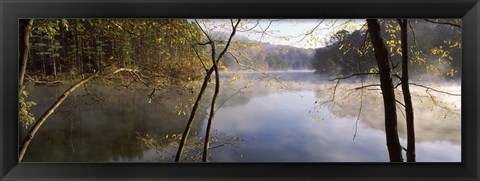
435	50
65	48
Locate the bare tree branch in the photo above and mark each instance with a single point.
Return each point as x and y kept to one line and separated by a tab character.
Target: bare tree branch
356	74
41	81
400	103
401	111
435	90
311	31
366	86
434	101
444	23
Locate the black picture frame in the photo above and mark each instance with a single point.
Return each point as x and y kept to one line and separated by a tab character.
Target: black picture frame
11	11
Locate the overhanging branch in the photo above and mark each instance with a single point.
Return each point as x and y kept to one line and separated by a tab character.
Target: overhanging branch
444	23
356	74
435	90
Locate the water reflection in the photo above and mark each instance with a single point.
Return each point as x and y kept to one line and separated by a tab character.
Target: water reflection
432	123
105	131
273	125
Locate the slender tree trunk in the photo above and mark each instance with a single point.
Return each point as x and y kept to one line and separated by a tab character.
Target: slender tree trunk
212	108
185	134
204	86
44	67
82	54
406	93
386	84
25	28
54	67
77	51
52	59
217	87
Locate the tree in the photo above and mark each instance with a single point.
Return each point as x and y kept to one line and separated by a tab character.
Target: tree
386	84
215	60
25	28
406	92
26	118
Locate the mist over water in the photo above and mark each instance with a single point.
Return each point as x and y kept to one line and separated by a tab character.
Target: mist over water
276	114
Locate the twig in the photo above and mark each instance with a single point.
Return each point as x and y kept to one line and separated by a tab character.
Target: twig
399	102
414	35
359	111
311	31
401	111
434	101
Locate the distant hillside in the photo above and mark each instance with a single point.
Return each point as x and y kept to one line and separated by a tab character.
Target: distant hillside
267	56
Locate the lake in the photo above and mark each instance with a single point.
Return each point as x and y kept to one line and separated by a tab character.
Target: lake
272	117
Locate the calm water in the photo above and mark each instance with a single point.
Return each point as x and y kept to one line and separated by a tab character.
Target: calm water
259	124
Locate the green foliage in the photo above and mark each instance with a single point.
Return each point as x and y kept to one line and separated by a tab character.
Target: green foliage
26	118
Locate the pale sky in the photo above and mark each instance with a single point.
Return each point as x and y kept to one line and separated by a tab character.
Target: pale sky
303	33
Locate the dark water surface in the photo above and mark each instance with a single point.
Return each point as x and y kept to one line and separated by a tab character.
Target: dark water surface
259	124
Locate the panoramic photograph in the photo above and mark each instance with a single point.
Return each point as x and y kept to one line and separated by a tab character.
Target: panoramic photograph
239	90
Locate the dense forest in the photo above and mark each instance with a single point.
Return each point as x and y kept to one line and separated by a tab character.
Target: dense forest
182	60
72	47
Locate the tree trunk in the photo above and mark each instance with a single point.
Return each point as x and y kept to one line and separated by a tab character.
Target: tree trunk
77	51
204	86
212	108
52	59
82	54
386	84
25	28
406	93
192	115
217	87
